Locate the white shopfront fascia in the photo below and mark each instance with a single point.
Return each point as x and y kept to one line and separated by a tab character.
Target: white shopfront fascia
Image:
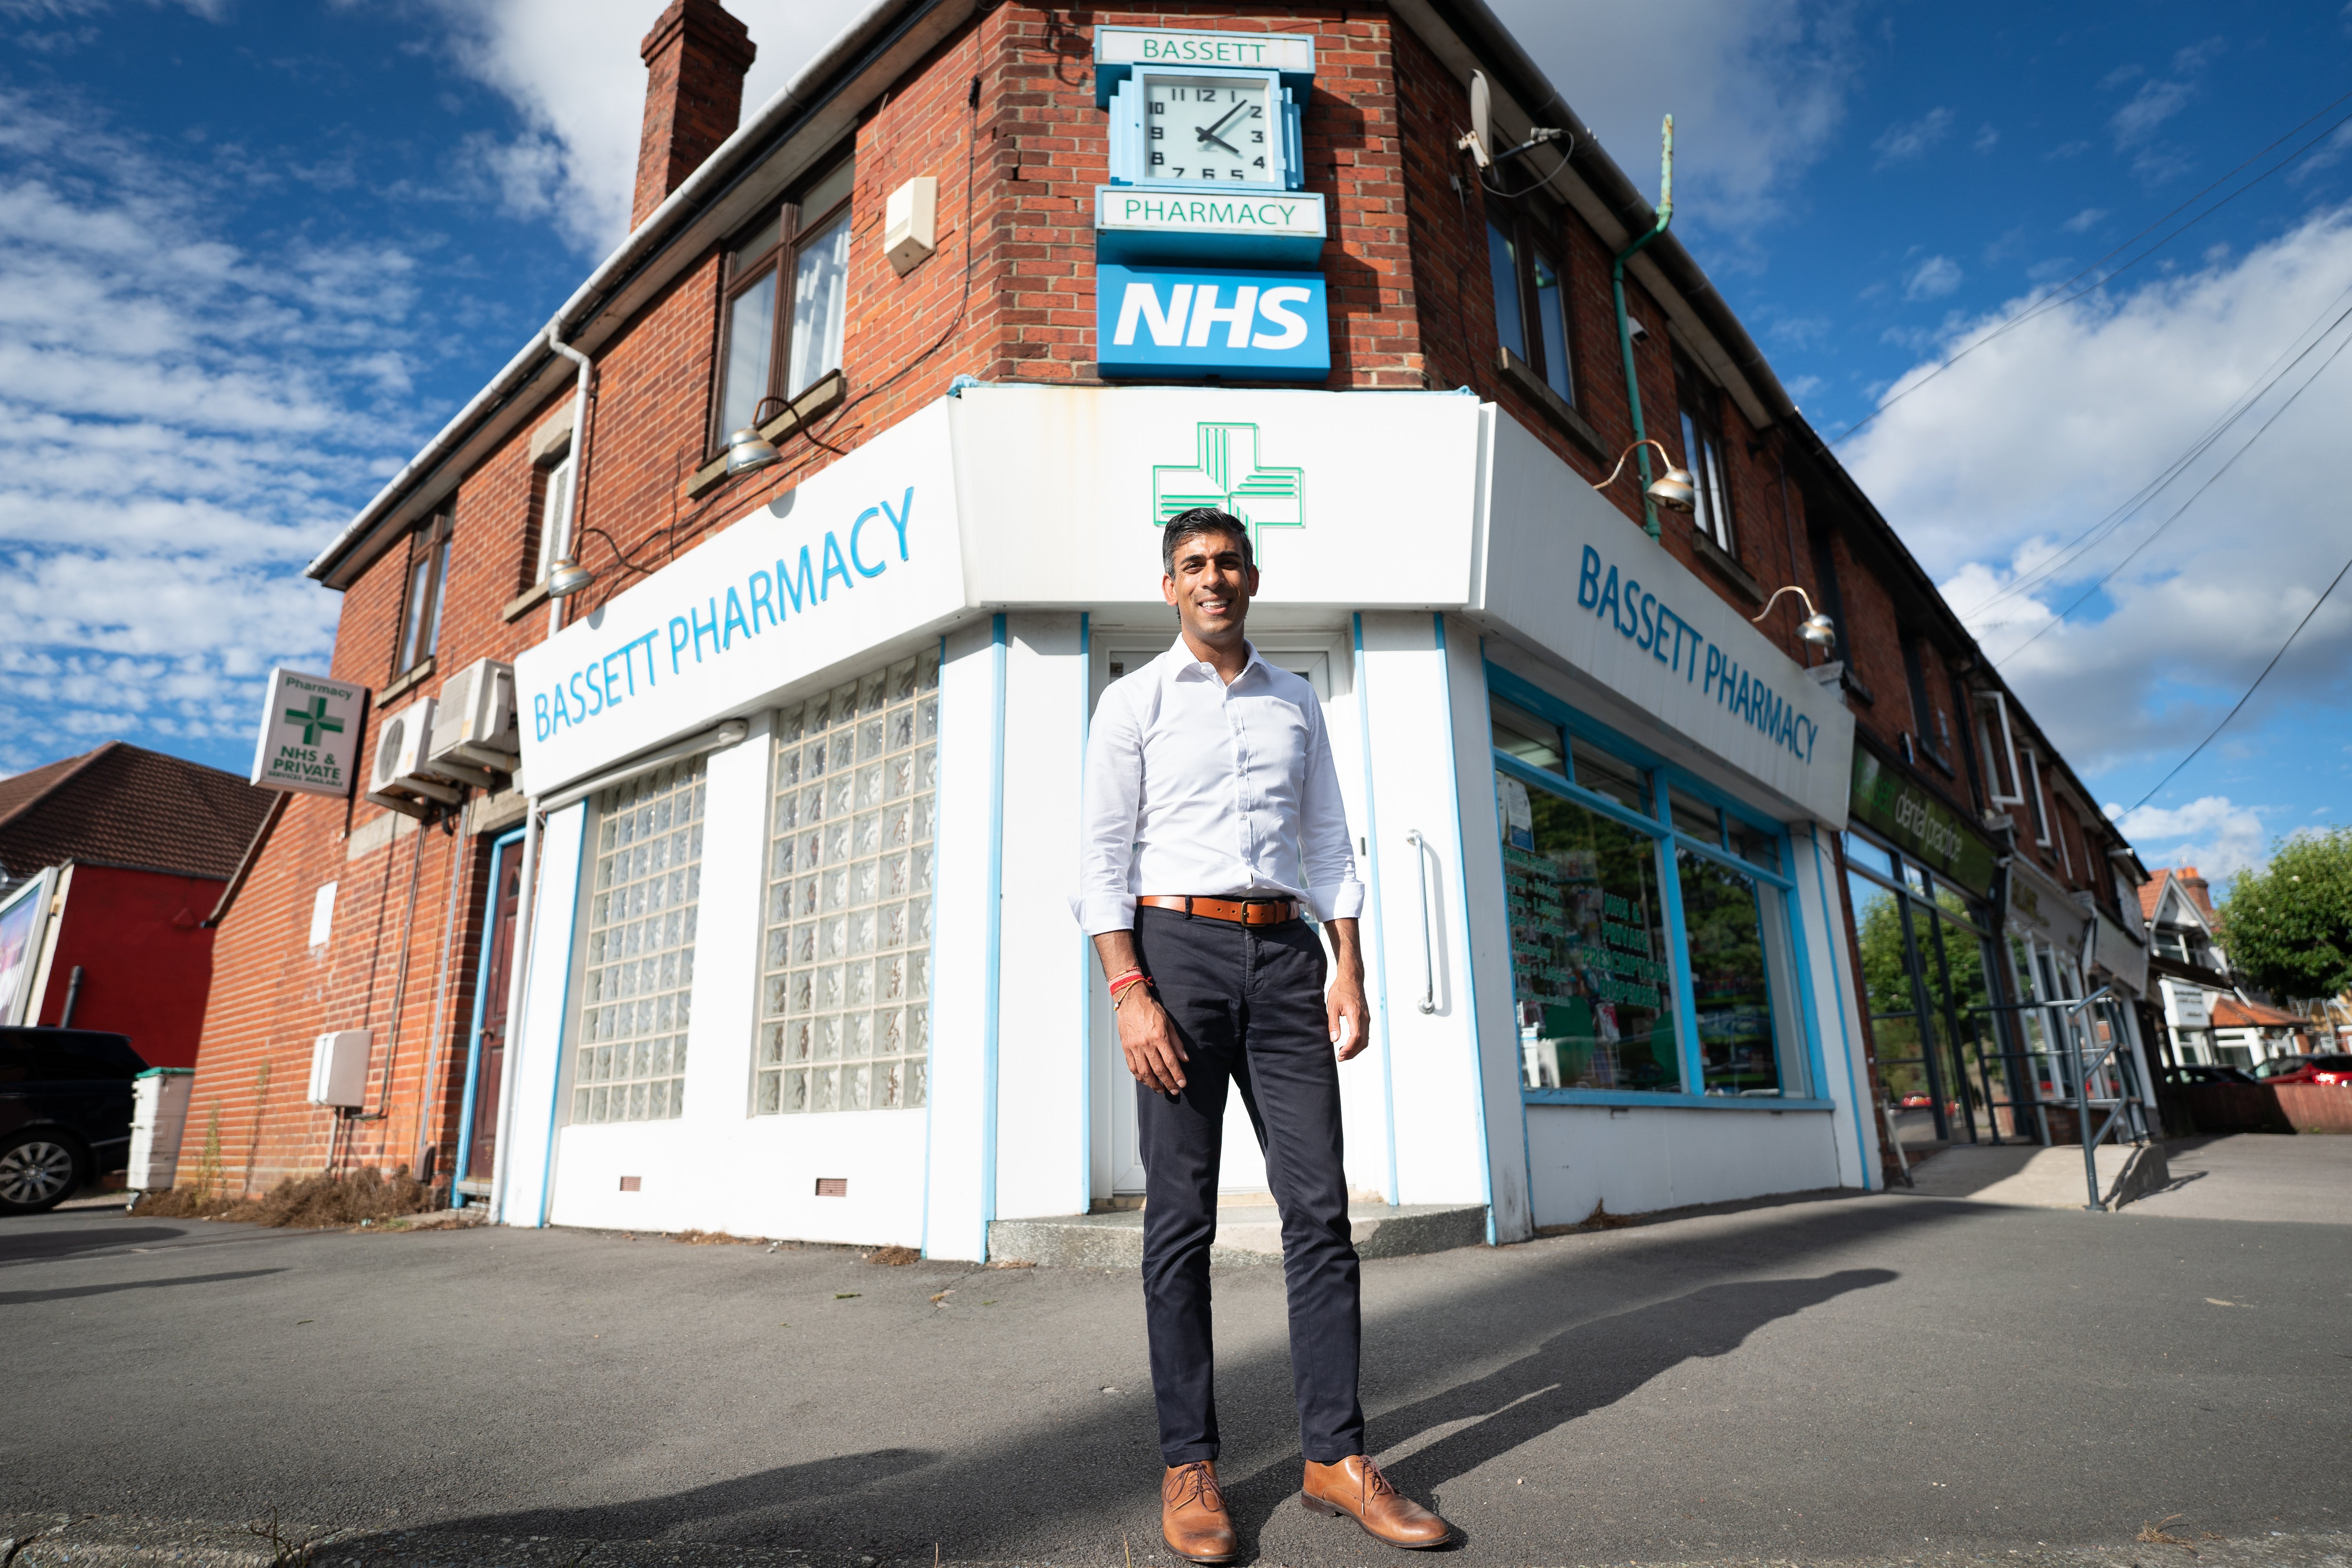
1010	528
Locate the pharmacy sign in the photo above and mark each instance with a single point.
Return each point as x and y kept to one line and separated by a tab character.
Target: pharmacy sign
1225	473
310	738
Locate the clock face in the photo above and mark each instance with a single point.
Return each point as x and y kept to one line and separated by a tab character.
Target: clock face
1211	128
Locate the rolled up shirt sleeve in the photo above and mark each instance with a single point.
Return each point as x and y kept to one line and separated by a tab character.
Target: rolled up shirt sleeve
1107	807
1326	850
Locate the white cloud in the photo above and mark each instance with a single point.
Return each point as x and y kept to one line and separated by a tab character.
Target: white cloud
1756	88
1987	139
571	68
1899	144
175	406
1932	279
2083	221
2214	834
1989	467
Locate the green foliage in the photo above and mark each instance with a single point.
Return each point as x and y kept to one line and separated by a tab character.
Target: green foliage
2288	928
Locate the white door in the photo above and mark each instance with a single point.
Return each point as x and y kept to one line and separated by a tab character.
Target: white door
1243	1167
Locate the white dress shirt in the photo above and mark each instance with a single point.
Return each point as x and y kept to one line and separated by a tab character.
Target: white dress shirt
1220	791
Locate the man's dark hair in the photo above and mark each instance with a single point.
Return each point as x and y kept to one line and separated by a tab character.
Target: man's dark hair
1203	520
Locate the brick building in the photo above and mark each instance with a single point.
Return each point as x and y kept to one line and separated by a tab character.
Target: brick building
1613	878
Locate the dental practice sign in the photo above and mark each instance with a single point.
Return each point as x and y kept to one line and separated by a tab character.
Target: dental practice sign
863	552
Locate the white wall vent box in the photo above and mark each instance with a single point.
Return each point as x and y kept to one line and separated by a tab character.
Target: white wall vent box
474	731
338	1062
398	775
911	223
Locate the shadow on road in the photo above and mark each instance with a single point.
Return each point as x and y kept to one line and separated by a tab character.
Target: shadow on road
34	1245
69	1292
1092	1472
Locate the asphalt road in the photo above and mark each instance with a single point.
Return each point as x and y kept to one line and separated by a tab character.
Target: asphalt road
1857	1379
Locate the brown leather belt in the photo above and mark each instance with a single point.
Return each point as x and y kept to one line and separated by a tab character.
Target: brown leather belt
1238	911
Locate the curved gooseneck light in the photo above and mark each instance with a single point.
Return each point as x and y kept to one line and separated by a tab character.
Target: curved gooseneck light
1818	628
1674	490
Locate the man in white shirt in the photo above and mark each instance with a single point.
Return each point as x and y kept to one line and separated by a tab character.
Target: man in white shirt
1212	814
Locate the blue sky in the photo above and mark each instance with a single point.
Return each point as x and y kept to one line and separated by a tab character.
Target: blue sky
252	255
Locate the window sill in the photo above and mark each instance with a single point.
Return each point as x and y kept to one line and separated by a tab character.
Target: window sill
1524	380
522	604
1730	569
417	675
818	399
1627	1097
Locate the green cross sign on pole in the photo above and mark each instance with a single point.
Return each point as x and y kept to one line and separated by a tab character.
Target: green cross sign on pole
314	719
1227	475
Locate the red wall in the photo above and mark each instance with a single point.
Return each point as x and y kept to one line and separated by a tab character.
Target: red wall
147	964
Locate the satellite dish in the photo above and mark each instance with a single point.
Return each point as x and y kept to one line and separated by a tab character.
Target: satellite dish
1478	141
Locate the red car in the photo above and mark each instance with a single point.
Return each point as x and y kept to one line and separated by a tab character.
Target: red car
2313	1069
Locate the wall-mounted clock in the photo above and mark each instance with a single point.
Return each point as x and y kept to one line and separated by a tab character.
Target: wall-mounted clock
1207	129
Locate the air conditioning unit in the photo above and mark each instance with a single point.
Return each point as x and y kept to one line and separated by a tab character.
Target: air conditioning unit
339	1063
398	775
476	732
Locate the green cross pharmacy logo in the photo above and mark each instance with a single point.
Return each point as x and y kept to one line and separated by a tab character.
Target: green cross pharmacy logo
314	719
1226	474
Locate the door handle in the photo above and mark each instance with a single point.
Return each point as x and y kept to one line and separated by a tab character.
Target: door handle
1428	950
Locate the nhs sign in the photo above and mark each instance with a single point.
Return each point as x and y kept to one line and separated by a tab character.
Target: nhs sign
1236	324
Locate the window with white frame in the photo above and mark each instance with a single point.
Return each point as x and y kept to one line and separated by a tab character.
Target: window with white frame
638	982
550	540
1650	944
845	1004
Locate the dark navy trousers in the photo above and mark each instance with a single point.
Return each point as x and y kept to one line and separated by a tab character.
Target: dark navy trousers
1247	1006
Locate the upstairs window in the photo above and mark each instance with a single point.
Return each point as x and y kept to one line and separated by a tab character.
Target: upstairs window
1531	304
787	299
1702	453
428	577
551	538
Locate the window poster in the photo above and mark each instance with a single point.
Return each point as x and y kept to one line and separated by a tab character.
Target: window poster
1589	945
20	947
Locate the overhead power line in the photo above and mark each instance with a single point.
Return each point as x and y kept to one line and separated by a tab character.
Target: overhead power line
2059	294
2249	690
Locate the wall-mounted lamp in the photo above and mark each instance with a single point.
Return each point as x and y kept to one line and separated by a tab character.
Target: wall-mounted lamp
566	578
1674	490
747	451
1817	629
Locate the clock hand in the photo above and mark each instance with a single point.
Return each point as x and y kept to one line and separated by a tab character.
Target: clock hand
1210	136
1220	125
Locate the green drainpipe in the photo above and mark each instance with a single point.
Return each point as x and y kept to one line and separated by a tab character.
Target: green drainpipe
1626	327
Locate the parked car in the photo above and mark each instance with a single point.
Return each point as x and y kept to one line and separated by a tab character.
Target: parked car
65	1112
2329	1068
2198	1073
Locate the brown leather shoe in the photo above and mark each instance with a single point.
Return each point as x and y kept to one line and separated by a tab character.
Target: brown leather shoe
1356	1487
1193	1517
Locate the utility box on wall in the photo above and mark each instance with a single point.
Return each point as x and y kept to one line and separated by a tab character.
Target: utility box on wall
159	1112
338	1062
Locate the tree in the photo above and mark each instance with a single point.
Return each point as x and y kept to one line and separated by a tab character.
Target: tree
2288	927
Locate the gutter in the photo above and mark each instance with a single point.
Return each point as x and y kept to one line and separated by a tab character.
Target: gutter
719	173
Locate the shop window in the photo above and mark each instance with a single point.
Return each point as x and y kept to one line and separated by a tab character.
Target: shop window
1535	742
1589	963
1601	942
638	989
1702	453
1925	956
844	1010
787	299
428	580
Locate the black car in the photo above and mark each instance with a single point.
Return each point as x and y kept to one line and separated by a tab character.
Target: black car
2195	1073
65	1112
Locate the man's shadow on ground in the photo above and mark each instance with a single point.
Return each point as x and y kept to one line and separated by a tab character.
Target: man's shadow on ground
1576	1371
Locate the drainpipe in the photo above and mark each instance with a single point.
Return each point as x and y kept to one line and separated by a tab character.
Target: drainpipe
582	393
1625	327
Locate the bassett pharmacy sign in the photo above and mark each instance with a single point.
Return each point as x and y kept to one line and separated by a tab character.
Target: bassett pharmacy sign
1226	322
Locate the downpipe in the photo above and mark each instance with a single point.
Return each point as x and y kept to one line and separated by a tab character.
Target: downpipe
1624	325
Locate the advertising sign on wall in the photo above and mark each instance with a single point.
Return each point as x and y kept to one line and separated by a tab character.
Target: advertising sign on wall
22	919
309	734
1223	322
1921	826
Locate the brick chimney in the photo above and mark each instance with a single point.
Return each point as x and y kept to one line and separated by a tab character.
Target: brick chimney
2200	891
695	59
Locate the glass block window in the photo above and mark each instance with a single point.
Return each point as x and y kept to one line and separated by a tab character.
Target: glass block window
631	1065
844	1010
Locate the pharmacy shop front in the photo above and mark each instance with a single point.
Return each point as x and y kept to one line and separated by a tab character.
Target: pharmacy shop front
800	959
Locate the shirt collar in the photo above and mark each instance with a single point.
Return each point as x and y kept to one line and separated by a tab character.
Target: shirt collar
1182	663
